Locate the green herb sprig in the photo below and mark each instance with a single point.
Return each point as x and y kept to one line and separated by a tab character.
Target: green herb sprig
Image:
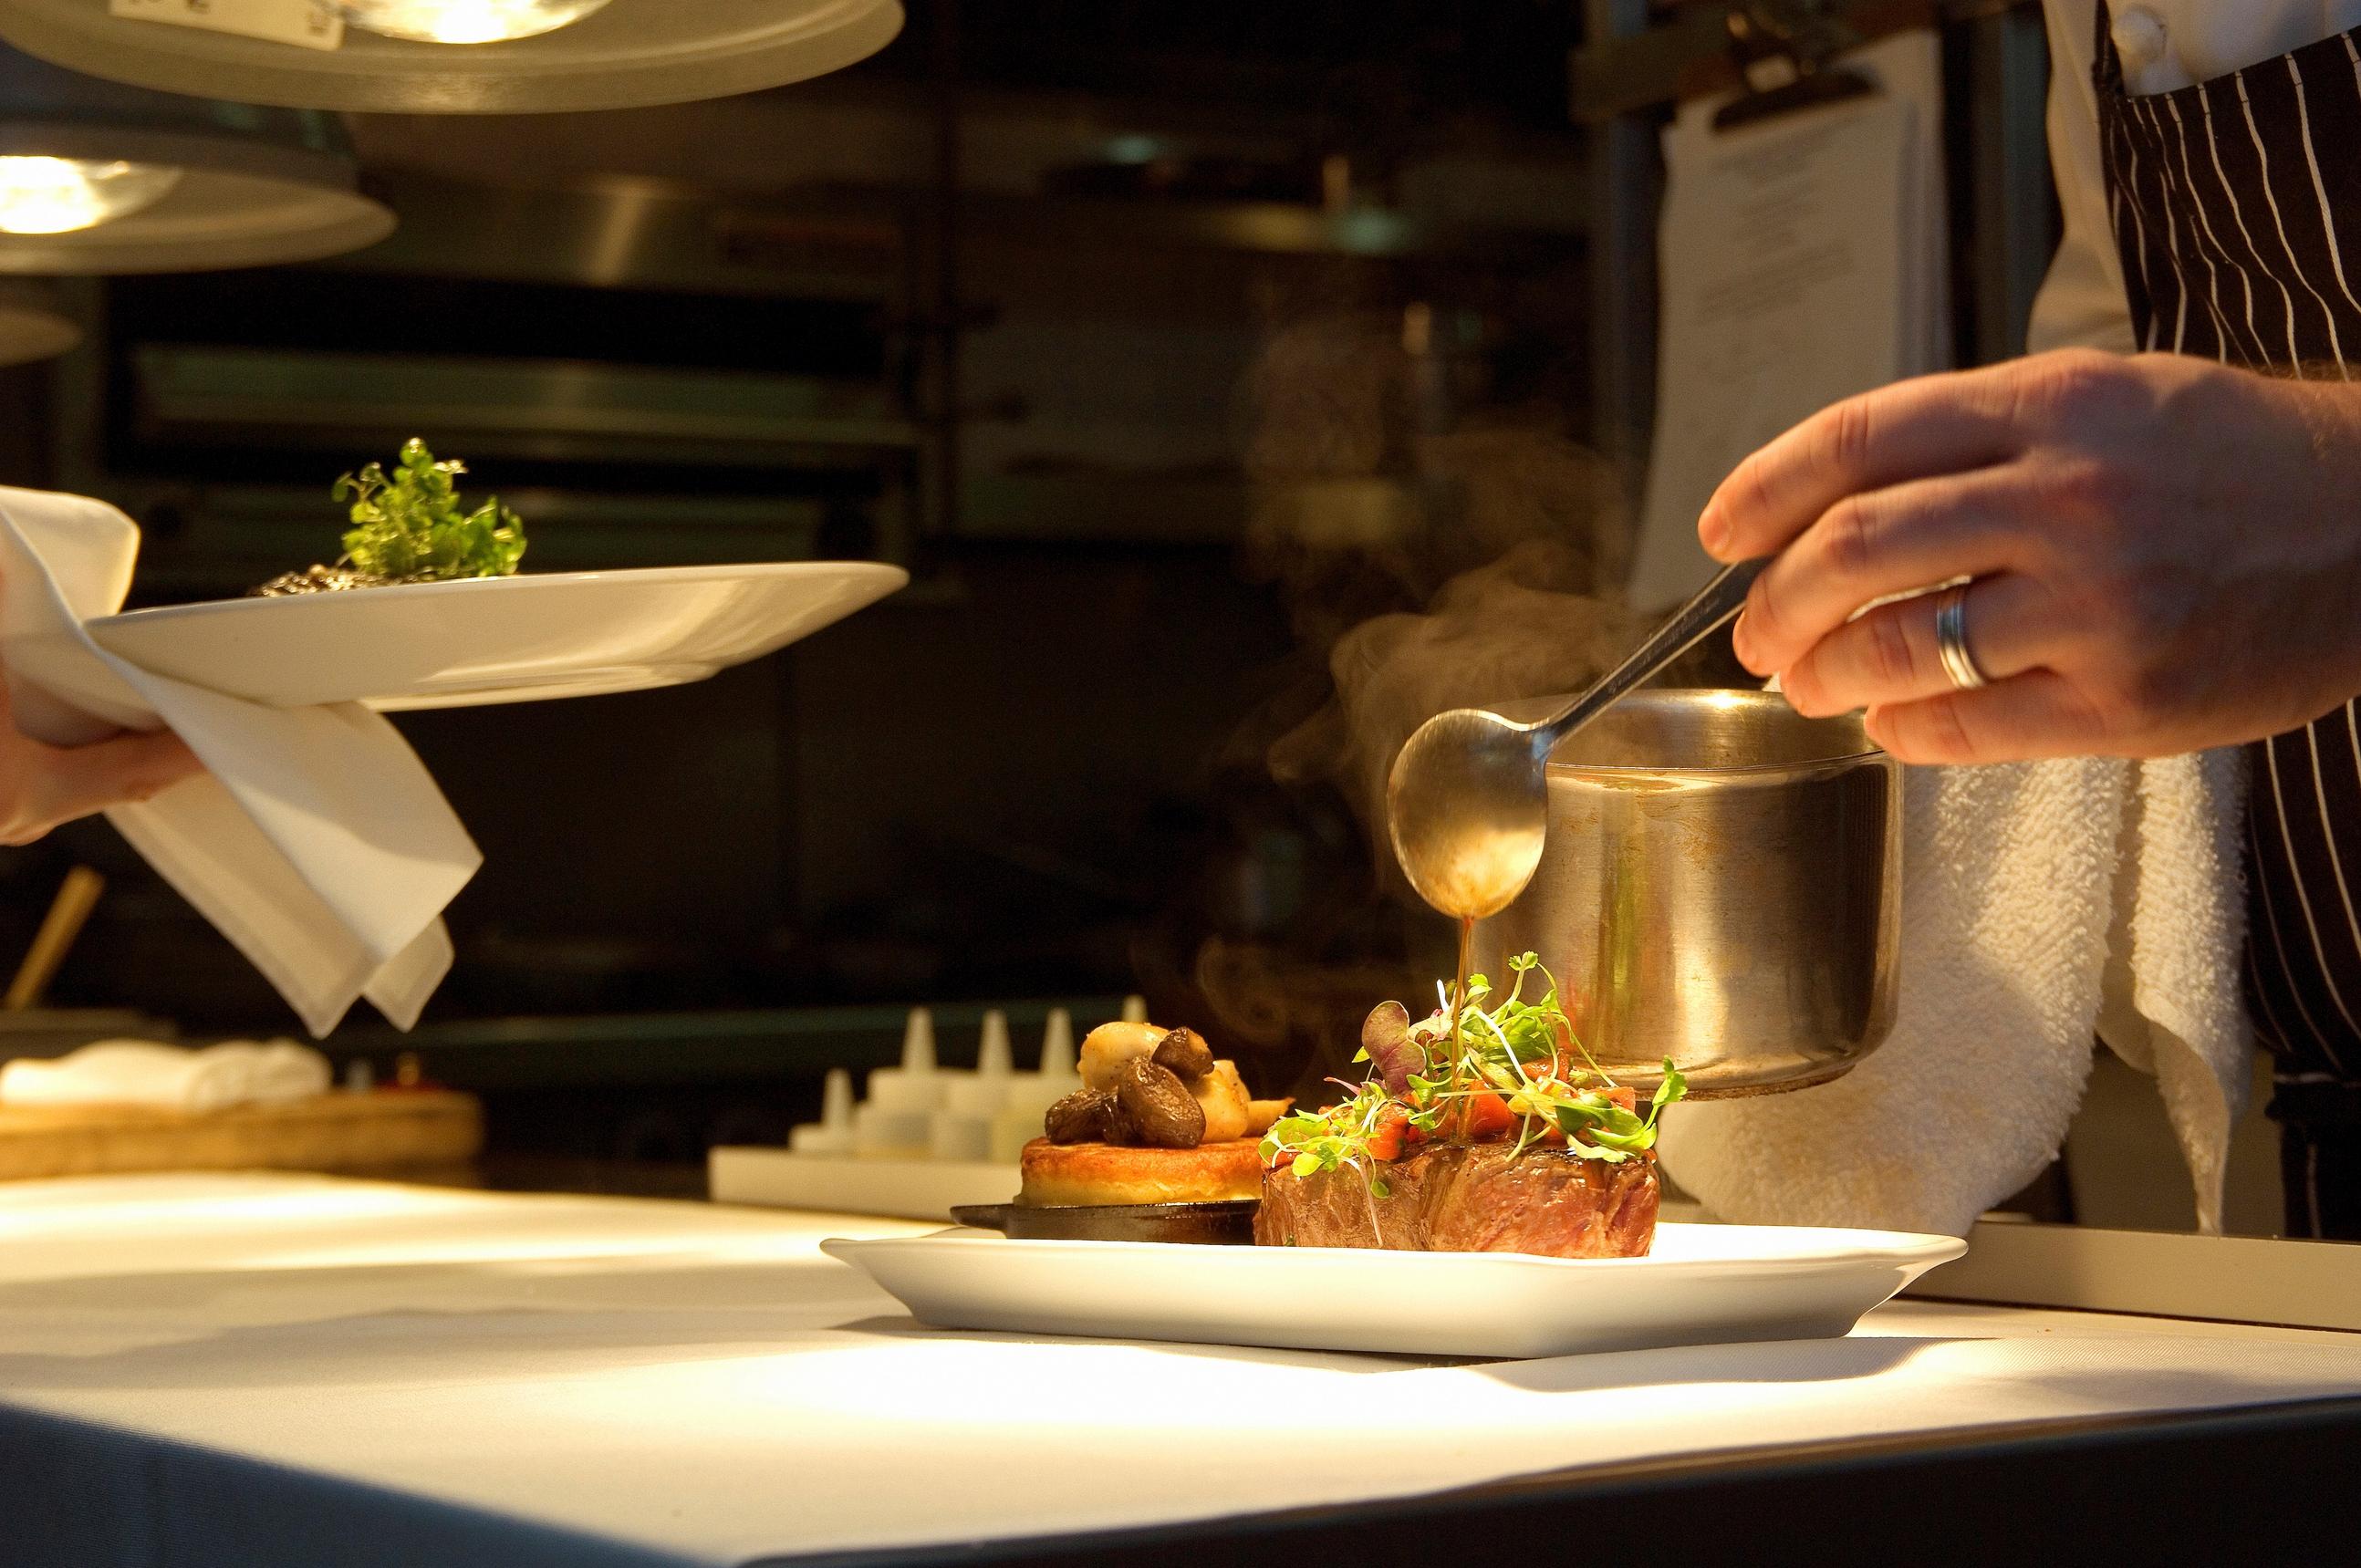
409	525
1513	1048
1333	1138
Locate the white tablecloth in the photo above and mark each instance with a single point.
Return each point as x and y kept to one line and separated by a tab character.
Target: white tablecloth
261	1370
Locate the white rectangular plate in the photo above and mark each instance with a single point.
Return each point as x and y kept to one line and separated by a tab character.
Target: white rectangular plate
1702	1285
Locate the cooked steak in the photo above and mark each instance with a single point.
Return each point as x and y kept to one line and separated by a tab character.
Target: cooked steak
1469	1198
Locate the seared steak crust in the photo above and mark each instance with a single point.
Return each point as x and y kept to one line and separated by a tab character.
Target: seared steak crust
1469	1198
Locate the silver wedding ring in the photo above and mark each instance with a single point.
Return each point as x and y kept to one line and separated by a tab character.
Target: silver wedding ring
1951	638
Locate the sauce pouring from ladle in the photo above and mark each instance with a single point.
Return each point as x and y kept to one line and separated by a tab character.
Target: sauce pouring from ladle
1468	799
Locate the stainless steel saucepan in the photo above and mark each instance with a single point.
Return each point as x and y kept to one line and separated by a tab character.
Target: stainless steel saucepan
1721	883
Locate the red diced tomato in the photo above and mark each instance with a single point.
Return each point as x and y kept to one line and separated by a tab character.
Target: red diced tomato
1386	1137
1485	1117
1622	1094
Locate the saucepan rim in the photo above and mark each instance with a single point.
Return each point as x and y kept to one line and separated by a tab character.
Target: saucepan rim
1666	696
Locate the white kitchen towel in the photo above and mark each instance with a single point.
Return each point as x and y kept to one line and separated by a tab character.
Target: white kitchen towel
170	1078
316	841
2042	903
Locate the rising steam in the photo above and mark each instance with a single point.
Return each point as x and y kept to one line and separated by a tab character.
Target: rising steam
1440	558
1436	550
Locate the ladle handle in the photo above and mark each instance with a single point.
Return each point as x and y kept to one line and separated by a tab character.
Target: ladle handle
1714	604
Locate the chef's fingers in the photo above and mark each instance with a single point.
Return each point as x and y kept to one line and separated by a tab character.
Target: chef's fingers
1888	656
59	784
1911	430
1874	544
2037	713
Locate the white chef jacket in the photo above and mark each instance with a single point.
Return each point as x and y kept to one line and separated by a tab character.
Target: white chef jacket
2165	44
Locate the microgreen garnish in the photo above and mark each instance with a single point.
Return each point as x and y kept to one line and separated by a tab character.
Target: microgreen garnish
408	525
1354	1132
1473	1070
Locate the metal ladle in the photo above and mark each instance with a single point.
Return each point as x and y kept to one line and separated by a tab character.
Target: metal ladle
1467	798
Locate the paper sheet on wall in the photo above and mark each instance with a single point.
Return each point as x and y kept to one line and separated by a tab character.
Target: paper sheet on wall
1804	260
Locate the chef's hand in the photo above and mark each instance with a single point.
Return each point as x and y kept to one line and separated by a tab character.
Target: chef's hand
2167	555
43	785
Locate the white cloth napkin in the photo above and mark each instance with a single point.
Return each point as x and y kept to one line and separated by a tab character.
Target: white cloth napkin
172	1078
317	843
2042	901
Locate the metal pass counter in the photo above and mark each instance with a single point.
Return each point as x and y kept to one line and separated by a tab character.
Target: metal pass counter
294	1370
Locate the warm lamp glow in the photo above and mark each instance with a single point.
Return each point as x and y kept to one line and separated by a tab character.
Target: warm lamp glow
59	195
467	21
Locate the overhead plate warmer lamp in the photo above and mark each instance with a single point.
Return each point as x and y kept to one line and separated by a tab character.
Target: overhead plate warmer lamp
461	57
34	322
99	178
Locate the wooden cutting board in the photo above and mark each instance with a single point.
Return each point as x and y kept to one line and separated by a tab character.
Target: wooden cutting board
383	1130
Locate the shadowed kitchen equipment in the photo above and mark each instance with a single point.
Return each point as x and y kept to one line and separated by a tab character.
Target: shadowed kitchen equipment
35	322
1720	884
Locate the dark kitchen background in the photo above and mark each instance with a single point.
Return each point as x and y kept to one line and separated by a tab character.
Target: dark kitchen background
1162	344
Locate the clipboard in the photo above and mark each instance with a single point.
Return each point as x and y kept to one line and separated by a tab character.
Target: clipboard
1695	49
1803	255
1787	51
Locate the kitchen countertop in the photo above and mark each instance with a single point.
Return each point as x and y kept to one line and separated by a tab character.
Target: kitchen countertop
265	1369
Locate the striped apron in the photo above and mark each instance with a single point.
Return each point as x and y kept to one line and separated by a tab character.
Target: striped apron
2236	206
